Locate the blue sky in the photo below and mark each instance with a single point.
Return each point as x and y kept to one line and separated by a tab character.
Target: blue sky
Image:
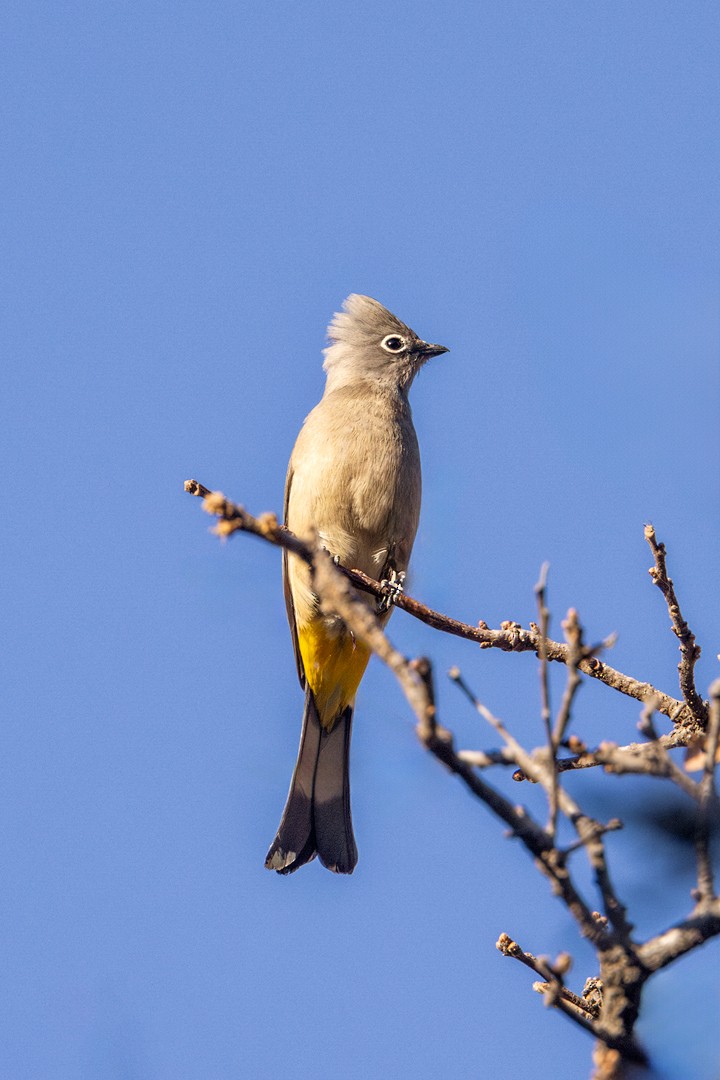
189	192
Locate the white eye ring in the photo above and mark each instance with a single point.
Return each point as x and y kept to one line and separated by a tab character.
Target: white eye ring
393	343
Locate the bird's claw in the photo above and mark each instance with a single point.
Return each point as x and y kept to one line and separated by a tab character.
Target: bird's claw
392	587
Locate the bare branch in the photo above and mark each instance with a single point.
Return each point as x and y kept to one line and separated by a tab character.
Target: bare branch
689	650
624	965
511	637
589	831
549	990
642	759
591	834
544	624
553	989
608	1063
663	949
337	595
706	884
582	1011
548	860
650	759
535	767
483	759
613	825
573	636
544	617
234	518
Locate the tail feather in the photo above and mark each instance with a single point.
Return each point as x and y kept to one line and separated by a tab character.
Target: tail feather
294	844
316	819
331	798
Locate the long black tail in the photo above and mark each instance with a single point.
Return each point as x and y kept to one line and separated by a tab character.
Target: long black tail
316	819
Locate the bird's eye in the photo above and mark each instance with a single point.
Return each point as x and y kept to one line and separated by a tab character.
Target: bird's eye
393	343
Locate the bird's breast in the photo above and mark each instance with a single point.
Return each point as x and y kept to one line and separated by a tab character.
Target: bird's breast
357	480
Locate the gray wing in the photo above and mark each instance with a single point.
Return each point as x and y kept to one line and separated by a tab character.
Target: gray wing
289	605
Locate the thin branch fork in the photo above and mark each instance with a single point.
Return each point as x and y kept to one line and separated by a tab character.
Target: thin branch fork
553	988
440	743
511	637
590	832
585	1012
620	970
647	758
642	759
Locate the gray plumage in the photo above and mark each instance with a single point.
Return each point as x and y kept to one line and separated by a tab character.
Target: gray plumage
354	477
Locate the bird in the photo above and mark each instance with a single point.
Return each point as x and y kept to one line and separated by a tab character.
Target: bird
354	483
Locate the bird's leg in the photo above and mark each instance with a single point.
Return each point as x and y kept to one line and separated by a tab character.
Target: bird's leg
392	585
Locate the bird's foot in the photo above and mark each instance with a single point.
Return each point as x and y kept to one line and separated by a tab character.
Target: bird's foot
392	587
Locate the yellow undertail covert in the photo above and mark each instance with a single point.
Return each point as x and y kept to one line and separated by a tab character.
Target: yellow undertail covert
334	665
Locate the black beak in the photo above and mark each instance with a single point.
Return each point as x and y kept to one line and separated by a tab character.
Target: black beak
426	350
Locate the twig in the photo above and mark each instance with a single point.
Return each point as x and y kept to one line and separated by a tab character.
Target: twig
553	988
548	860
580	1010
234	518
589	831
613	825
706	884
663	949
689	649
484	759
536	768
544	617
643	759
511	637
550	990
573	636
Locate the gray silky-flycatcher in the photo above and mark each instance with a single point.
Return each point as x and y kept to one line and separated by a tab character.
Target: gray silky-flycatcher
354	481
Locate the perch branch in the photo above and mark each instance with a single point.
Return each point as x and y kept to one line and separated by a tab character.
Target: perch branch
511	637
338	596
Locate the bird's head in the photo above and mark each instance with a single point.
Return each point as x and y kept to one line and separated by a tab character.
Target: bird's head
369	343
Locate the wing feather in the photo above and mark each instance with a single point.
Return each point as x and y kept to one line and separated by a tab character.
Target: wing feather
289	605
